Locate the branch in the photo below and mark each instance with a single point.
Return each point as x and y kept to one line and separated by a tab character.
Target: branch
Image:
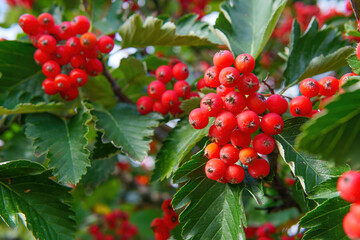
356	8
266	84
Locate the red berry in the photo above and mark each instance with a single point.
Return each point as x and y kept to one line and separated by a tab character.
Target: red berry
170	99
300	106
160	108
47	43
351	226
80	24
222	91
219	136
223	58
325	101
357	50
229	154
234	102
66	30
348	186
51	69
355	209
211	104
49	87
197	119
70	94
229	77
77	61
158	225
164	73
171	220
176	110
212	151
312	113
259	168
90	52
78	77
277	104
289	181
88	40
156	89
247	155
62	82
256	102
162	235
46	21
309	87
215	169
180	71
272	124
248	83
248	121
201	84
145	105
328	86
182	88
73	45
234	174
263	143
61	55
266	230
344	78
41	57
240	139
28	23
193	94
94	67
226	120
211	77
245	63
105	44
166	206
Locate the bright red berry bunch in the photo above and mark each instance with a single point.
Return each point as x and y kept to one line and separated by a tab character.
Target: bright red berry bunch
67	52
162	226
348	187
239	112
163	100
117	226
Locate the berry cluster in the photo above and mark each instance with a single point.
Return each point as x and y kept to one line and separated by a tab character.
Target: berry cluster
162	226
162	100
348	187
117	227
238	114
68	43
266	232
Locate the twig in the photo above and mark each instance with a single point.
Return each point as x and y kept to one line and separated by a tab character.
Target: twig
356	8
266	84
290	98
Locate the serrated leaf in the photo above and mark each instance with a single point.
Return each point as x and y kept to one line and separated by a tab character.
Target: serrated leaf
43	201
314	52
254	187
325	221
64	142
246	26
126	128
154	32
32	108
189	104
325	190
177	145
354	63
335	133
309	169
103	150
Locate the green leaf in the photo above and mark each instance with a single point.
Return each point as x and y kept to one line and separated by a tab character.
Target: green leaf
189	104
32	108
154	32
64	142
98	90
246	26
314	52
335	133
325	190
325	221
309	169
43	201
153	62
103	150
126	128
177	145
354	63
113	16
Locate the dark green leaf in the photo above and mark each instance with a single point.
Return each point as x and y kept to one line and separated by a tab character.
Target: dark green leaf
98	90
188	105
153	62
103	150
354	63
19	168
113	16
325	190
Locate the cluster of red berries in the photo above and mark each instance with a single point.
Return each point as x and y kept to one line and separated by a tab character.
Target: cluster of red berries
236	118
117	227
162	100
348	187
68	43
162	226
266	232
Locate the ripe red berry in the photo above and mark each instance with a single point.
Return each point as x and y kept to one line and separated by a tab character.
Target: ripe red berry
49	87
219	136
156	89
245	63
47	43
78	77
70	94
46	21
223	58
215	169
201	84
222	91
145	105
51	69
180	71
211	77
158	225
162	235
182	88
248	83
41	57
212	151
197	119
259	168
176	110
73	45
312	113
348	186
66	31
170	99
62	82
240	139
247	155
357	50
309	87
61	55
300	106
171	220
105	44
325	101
277	104
256	102
355	209
77	61
164	73
345	77
263	143
234	174
234	102
229	154
272	124
160	108
229	77
266	230
351	226
193	94
248	121
166	206
93	67
226	120
328	86
211	104
88	40
80	24
29	23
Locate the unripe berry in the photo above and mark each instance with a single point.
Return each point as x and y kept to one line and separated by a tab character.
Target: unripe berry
234	102
211	77
309	87
215	169
277	104
234	174
46	21
170	99
247	155
245	63
223	59
272	124
212	151
300	106
197	119
328	86
248	83
78	77
229	154
256	102
229	77
145	105
219	136
259	168
164	73
182	88
70	94
51	69
263	143
156	89
105	44
211	104
180	71
240	139
80	24
226	120
29	23
160	108
248	121
348	186
222	91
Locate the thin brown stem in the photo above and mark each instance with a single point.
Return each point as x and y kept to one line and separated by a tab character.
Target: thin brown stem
356	8
267	85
